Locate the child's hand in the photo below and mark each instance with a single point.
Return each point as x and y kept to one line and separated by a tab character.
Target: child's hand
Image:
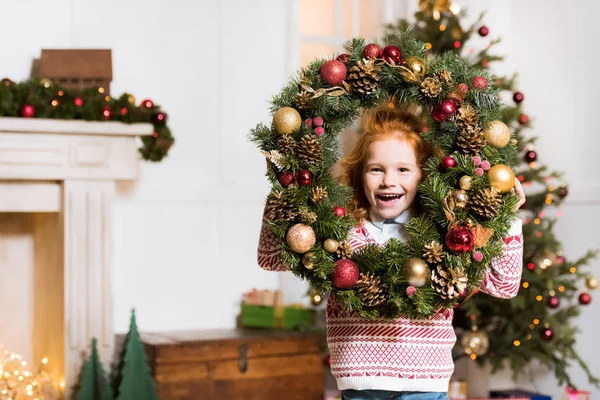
519	191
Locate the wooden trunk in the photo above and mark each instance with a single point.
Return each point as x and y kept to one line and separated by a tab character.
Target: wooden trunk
237	364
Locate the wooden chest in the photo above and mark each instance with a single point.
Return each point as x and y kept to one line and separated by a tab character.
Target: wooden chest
237	364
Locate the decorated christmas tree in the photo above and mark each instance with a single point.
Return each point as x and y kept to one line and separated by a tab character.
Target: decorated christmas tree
539	323
93	384
135	380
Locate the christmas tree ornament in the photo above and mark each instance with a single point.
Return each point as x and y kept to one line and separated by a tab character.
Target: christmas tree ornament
300	238
460	198
304	177
431	87
448	162
370	289
433	252
479	82
523	119
318	194
364	77
147	103
339	211
27	111
553	302
443	110
411	291
413	70
544	259
518	97
310	151
497	134
416	272
562	191
483	31
286	121
477	256
460	239
391	54
331	245
502	178
159	118
344	250
471	140
315	297
530	156
278	208
475	342
371	51
333	72
448	282
131	99
585	298
465	182
345	274
486	202
286	178
319	131
307	261
546	334
78	102
591	282
106	113
343	58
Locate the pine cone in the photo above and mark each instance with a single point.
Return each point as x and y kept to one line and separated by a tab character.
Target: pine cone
448	282
467	116
307	217
364	77
344	251
431	87
302	99
310	150
486	202
318	194
370	289
278	207
471	140
286	144
444	75
434	253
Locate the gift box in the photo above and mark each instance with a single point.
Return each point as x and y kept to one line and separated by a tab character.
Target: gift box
518	394
458	390
265	309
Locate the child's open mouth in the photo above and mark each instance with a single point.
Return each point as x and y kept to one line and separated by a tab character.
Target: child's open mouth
388	199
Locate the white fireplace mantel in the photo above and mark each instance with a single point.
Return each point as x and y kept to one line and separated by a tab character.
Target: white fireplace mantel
64	172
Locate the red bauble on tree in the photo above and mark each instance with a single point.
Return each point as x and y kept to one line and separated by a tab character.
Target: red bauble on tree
304	177
333	72
585	298
553	302
27	111
530	156
345	275
339	211
391	54
546	334
448	162
483	31
460	239
106	113
371	51
518	97
286	178
442	111
159	118
78	101
479	82
523	119
343	58
147	103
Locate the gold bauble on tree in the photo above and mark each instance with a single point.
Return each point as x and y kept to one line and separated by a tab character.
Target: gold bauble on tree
465	182
502	178
331	245
307	261
591	282
414	69
300	238
315	297
416	272
475	342
286	121
496	134
460	198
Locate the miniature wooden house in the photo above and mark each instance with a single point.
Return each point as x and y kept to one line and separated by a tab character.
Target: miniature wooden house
76	69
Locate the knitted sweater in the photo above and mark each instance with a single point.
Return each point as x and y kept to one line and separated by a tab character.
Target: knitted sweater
399	354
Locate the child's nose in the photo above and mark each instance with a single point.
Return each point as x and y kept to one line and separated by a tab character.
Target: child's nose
390	180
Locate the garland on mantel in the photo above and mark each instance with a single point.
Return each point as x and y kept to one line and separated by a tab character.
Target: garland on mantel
42	98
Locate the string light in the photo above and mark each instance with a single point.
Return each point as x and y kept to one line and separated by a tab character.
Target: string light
536	321
107	98
532	164
517	343
539	297
100	90
442	28
17	382
536	221
525	285
428	46
473	356
455	8
572	270
561	288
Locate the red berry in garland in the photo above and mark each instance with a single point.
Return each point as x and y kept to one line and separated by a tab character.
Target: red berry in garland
339	211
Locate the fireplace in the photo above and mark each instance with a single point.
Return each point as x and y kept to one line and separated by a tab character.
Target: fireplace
57	182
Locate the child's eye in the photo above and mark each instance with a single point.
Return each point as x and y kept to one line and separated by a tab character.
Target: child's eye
403	169
375	169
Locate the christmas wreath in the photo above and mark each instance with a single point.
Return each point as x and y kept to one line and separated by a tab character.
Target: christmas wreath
466	200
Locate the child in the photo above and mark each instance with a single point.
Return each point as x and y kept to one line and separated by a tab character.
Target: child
400	358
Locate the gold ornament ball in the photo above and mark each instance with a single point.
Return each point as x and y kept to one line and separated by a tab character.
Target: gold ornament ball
331	245
591	282
417	68
307	261
286	121
315	298
460	198
131	99
416	272
465	182
300	238
475	342
502	178
497	134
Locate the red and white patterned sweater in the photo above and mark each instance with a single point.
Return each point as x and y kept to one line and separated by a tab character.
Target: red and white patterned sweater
399	354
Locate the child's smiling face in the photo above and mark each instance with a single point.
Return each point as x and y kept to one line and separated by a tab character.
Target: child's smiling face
391	177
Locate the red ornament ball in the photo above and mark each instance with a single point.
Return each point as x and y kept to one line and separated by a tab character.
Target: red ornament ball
286	178
448	162
585	299
530	156
479	82
304	177
460	240
546	334
371	51
343	58
523	119
553	302
333	72
78	101
518	97
442	111
159	118
124	111
106	113
562	192
345	275
339	211
391	54
147	103
483	31
27	111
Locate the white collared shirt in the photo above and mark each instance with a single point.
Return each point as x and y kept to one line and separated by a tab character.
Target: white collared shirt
382	229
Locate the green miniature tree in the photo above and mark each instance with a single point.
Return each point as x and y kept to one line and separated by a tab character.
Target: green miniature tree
93	385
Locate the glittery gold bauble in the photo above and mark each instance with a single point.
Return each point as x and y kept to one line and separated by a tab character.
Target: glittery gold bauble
475	342
300	238
307	261
460	198
286	121
131	99
591	282
502	178
465	182
496	134
331	245
416	272
417	69
315	297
